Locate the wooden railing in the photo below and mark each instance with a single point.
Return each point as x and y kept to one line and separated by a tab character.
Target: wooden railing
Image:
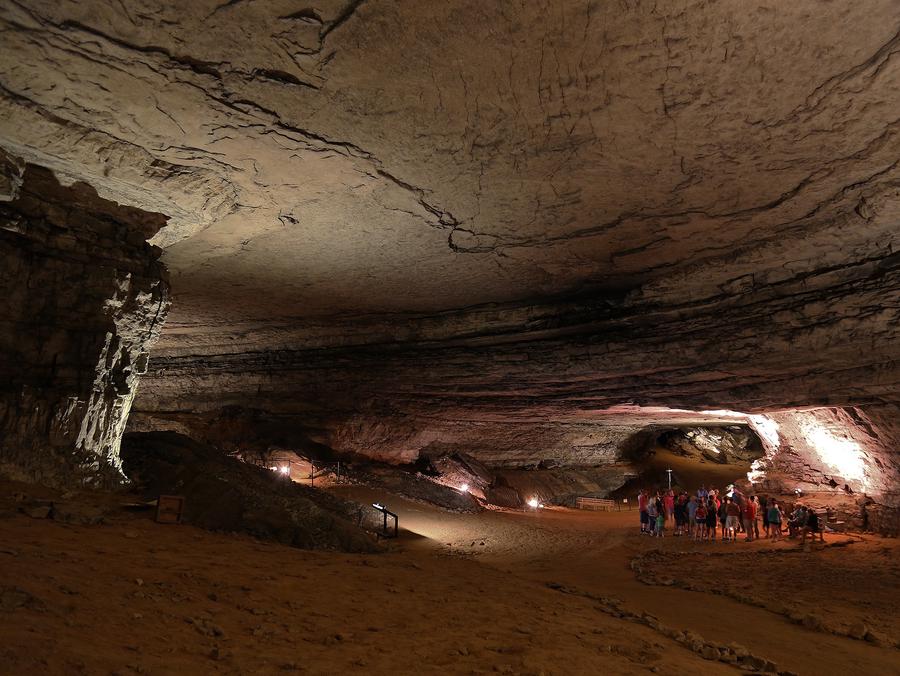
596	504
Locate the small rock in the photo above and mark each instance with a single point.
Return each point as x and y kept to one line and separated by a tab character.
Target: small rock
709	652
37	512
137	616
875	638
205	627
139	582
131	535
739	650
12	598
811	621
858	631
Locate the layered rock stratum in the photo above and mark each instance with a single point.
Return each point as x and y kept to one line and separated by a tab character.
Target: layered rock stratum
522	232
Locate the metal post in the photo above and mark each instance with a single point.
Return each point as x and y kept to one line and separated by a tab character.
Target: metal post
670	478
312	473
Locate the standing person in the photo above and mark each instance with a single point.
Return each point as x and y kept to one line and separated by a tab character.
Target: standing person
692	515
813	526
757	508
732	519
669	504
660	520
765	515
700	516
722	513
652	513
642	506
702	493
711	519
748	512
775	518
680	514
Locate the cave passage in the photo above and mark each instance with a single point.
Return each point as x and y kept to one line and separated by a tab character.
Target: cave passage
497	266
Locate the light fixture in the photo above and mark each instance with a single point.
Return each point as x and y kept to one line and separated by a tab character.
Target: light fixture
285	469
464	488
533	503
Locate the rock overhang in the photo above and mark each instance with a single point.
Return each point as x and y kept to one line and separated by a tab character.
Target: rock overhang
458	213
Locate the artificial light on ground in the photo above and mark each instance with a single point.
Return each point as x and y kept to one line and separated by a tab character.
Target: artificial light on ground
533	503
284	470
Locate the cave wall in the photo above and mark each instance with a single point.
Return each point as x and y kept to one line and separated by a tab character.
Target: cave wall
82	298
846	460
483	231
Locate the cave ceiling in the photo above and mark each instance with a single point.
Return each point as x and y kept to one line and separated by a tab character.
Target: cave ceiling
387	158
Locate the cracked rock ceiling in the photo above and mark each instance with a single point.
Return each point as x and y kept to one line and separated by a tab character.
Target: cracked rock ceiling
382	157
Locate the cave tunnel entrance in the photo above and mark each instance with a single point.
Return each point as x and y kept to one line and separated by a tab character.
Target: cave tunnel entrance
707	455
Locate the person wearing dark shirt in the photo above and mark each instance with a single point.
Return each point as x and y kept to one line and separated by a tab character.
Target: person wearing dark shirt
813	526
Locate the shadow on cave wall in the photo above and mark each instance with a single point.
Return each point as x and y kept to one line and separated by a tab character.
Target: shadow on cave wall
253	433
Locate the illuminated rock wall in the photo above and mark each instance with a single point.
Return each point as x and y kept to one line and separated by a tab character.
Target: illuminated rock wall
82	297
843	459
383	241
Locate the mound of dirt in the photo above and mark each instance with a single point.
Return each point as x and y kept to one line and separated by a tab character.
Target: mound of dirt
415	486
225	494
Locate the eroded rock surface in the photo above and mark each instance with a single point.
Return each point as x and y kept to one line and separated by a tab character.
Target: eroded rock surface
524	233
82	298
718	444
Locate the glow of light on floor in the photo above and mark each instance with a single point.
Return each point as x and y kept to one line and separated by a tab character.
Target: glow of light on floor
843	455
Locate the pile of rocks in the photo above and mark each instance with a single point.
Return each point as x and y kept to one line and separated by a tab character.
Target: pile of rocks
733	444
225	494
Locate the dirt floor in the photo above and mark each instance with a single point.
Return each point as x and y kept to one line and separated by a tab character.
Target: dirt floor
551	592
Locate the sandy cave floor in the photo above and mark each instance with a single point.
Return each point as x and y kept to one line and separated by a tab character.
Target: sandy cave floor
133	596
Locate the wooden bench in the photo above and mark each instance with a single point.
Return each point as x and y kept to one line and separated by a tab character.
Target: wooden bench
595	504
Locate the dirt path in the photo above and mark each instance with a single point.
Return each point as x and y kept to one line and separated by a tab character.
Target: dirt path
136	597
592	551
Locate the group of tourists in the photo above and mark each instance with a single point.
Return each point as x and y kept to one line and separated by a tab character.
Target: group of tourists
702	515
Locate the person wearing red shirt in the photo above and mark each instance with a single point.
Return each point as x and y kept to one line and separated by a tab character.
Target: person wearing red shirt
642	508
748	512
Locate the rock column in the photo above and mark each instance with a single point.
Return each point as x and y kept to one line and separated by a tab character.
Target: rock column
82	297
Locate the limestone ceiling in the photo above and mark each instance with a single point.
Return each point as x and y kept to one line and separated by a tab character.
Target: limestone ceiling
384	156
